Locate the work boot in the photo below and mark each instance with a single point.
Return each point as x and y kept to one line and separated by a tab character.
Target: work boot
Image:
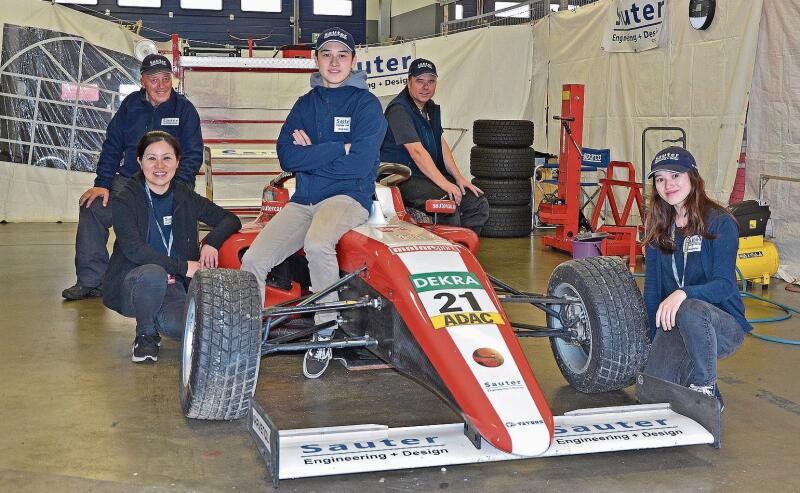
78	292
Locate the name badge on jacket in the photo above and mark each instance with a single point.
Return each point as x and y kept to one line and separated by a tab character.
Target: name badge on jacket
693	244
341	123
170	122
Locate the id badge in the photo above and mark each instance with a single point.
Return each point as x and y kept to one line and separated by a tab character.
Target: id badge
170	279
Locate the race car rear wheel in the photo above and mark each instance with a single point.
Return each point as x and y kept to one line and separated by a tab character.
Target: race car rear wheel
221	344
609	344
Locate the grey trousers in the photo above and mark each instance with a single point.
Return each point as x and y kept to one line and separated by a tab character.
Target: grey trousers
91	253
316	229
473	212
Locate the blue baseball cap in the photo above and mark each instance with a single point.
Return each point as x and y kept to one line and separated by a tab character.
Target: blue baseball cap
336	34
675	159
420	66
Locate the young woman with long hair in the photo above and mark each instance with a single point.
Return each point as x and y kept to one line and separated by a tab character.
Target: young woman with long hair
696	315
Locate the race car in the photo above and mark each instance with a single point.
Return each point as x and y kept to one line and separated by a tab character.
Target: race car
417	298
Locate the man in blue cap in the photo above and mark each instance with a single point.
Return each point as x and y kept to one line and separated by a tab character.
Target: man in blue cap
415	138
331	140
155	107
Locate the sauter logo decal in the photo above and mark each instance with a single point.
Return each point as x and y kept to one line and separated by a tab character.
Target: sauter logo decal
488	357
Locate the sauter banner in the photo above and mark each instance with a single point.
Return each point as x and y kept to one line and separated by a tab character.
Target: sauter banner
634	25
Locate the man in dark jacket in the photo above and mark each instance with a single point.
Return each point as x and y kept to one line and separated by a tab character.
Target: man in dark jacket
415	138
331	141
155	107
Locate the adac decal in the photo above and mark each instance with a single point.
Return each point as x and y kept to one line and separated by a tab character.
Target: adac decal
465	318
436	281
488	357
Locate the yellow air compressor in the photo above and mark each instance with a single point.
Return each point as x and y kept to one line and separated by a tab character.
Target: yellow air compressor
756	258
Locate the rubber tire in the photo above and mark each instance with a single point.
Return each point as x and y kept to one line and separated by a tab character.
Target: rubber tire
505	191
223	332
617	320
502	133
510	221
498	163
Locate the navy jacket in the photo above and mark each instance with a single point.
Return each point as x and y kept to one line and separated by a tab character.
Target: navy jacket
718	260
135	117
131	218
332	117
430	135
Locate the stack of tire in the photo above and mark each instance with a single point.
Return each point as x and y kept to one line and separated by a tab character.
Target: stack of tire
502	163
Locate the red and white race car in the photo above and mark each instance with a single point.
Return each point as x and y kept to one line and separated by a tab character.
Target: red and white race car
417	298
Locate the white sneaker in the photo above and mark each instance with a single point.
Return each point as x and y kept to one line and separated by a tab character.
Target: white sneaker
703	389
316	361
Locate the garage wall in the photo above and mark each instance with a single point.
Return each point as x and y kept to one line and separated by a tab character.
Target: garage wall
697	80
773	126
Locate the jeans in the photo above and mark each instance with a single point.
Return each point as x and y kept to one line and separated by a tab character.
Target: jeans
688	353
157	306
473	211
91	252
315	228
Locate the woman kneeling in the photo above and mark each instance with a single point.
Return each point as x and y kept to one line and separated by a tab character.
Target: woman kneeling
156	251
690	285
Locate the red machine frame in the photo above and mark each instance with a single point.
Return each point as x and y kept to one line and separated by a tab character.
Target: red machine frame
565	212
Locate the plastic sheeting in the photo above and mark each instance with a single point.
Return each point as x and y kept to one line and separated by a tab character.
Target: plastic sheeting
773	127
61	73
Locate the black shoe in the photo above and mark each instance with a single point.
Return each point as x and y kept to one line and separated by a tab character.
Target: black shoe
144	348
315	362
78	292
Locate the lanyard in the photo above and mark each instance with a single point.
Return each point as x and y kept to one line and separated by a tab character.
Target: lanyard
685	258
158	224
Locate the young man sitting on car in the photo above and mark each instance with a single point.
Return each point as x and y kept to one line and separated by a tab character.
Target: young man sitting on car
331	141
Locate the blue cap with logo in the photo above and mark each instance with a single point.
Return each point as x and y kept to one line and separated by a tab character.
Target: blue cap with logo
336	34
675	159
420	66
155	63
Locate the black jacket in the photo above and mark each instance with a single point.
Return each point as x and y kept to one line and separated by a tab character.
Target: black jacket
131	226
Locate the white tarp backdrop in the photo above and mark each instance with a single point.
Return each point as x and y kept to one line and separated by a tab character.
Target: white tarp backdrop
698	80
51	49
773	125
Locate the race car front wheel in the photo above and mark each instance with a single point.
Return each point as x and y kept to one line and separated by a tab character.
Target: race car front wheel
609	324
221	345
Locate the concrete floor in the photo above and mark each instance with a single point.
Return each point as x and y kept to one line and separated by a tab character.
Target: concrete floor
77	415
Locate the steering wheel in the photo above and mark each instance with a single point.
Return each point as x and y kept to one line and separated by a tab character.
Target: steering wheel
391	174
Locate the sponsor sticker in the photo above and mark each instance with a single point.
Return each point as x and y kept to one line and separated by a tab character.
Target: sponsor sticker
423	248
436	281
341	124
170	122
465	318
488	357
